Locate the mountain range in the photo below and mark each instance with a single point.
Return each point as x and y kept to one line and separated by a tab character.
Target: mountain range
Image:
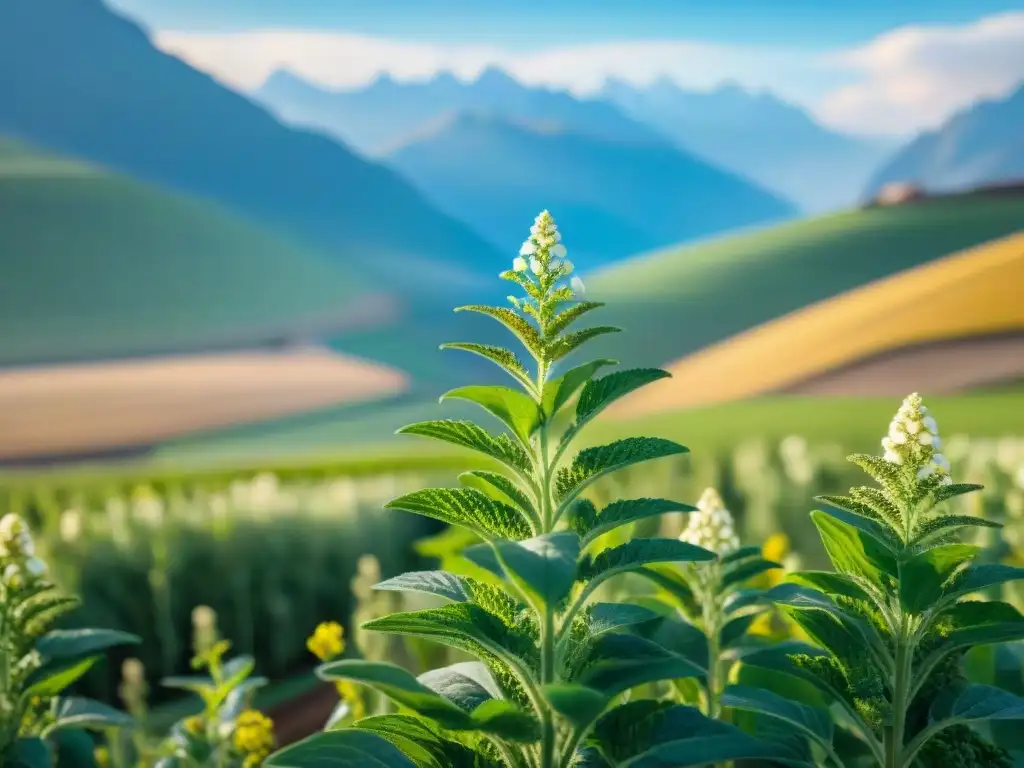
611	198
980	145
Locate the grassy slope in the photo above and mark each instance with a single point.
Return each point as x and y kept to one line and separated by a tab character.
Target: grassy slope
96	265
913	307
681	300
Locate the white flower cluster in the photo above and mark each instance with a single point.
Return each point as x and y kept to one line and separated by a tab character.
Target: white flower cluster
17	548
711	526
913	440
544	254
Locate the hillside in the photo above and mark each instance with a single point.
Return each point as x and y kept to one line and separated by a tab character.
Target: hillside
856	343
95	265
684	299
980	145
112	98
386	113
610	199
758	136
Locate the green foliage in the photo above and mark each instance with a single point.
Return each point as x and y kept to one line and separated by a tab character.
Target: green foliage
552	663
893	624
39	664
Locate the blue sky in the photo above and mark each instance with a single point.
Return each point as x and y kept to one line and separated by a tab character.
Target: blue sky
881	67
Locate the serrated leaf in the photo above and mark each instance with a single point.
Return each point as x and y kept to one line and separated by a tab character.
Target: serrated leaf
829	583
466	507
855	551
519	325
557	392
425	743
570	342
78	712
811	721
576	703
627	511
593	463
598	394
439	583
945	526
516	410
635	554
72	643
466	434
53	677
607	617
503	358
567	317
946	492
976	578
616	662
342	748
923	576
544	566
500	488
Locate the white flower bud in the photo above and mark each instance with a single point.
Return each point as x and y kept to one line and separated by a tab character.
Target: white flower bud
893	458
528	248
577	285
536	267
567	267
930	423
925	438
558	250
941	461
519	264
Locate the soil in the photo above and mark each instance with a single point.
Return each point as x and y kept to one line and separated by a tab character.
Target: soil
304	715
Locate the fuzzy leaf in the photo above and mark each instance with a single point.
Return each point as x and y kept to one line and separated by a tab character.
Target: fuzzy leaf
942	527
592	463
557	392
946	492
519	325
567	317
866	502
598	394
439	583
621	513
424	743
74	643
500	488
779	658
565	345
967	703
343	748
923	576
855	551
617	662
78	712
811	721
516	410
468	508
606	617
976	578
467	684
635	554
829	583
576	703
503	358
466	434
544	566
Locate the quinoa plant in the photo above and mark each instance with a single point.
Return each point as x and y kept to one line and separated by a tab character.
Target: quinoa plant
716	600
554	667
893	622
39	664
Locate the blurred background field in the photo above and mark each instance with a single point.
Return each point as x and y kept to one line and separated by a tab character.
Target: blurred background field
227	260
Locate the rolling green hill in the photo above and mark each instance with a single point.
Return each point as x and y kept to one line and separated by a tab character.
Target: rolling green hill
681	300
94	265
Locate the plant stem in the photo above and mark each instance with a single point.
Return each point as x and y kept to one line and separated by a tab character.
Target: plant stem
894	731
548	637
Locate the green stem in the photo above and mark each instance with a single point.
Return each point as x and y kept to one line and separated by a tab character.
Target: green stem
894	731
713	629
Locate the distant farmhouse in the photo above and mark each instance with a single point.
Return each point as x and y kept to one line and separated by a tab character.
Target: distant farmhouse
897	193
903	192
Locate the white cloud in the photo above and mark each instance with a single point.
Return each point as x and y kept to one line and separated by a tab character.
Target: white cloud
904	80
915	77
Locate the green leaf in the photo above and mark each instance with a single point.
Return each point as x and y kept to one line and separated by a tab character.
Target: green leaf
73	643
503	358
734	574
671	580
516	410
52	678
424	743
924	575
779	658
977	578
467	684
78	712
829	583
967	703
681	637
27	753
519	325
635	554
557	392
628	511
980	623
468	508
565	345
576	703
566	317
466	434
735	629
507	721
598	394
239	697
854	551
813	722
344	748
938	528
544	566
500	488
439	583
592	463
607	617
946	492
616	662
193	683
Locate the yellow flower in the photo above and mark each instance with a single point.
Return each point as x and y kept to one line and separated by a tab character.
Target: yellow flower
254	736
102	756
776	547
350	693
195	725
762	625
327	641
